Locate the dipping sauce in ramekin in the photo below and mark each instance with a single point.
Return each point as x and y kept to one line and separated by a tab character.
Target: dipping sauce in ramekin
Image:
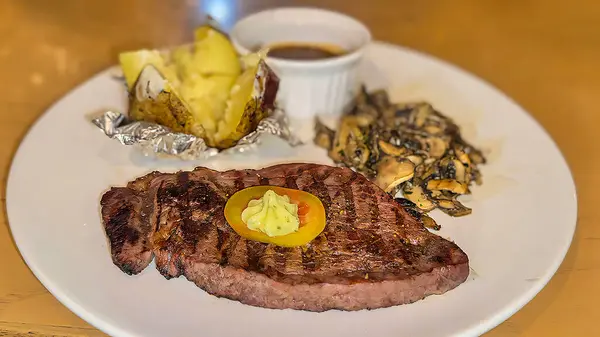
304	51
315	53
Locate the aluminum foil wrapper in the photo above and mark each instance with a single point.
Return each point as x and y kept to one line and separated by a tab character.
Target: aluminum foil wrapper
159	141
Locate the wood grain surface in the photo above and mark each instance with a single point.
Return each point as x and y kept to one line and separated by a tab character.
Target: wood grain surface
543	53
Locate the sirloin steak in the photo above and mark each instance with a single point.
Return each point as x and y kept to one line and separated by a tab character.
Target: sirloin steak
372	253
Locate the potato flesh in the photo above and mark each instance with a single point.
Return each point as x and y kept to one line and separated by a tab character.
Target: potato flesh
241	93
207	98
132	64
219	55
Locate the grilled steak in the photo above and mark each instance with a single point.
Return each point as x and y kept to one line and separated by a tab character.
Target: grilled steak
372	253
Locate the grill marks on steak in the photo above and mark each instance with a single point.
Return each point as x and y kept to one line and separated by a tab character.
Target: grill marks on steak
179	219
126	213
186	221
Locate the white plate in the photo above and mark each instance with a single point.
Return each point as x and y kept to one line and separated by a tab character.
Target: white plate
521	227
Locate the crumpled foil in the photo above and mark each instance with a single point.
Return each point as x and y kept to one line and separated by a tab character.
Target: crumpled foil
159	141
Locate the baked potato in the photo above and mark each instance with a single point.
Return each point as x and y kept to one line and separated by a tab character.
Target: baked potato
200	88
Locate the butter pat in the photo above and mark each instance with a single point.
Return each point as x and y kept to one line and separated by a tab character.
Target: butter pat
272	214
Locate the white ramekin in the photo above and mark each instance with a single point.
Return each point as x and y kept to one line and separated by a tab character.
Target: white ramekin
315	87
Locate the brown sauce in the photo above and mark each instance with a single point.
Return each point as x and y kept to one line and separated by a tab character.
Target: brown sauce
308	52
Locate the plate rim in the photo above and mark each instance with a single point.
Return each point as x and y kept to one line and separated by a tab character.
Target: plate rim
480	328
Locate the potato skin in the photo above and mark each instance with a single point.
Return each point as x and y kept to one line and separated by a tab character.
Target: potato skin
165	110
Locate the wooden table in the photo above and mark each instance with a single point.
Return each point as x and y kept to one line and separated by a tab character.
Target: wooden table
543	53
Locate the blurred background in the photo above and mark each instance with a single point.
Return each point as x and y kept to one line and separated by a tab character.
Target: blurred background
543	53
534	50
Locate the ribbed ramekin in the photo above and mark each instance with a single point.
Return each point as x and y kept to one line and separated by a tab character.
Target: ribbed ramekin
308	87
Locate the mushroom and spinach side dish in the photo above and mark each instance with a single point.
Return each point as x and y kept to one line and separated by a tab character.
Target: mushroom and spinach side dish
405	147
